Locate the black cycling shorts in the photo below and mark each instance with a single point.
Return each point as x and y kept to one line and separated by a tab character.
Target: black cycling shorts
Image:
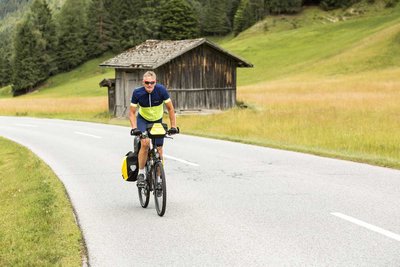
142	124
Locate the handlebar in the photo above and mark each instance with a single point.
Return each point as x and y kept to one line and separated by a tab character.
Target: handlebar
177	131
144	135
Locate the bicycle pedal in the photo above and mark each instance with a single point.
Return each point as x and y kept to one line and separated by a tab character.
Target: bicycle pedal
141	185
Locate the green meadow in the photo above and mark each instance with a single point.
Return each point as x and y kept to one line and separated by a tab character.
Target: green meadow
325	83
37	226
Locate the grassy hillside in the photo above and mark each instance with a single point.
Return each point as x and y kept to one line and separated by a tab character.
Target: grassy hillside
323	82
319	47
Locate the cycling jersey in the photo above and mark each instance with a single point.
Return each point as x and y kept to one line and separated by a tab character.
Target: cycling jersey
151	105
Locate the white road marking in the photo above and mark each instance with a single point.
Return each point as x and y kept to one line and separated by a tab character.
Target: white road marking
181	160
368	226
25	125
90	135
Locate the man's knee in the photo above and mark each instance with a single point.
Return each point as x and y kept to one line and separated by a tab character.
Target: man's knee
160	151
145	143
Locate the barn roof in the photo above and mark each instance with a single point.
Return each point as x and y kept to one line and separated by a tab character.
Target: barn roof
153	53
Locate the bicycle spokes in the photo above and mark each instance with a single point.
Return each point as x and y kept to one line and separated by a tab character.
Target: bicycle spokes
160	190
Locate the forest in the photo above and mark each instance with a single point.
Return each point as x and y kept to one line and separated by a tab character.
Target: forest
45	41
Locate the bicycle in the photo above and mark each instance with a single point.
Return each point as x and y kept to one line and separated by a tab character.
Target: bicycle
154	168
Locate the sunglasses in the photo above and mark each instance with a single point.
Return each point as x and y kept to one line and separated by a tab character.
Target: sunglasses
148	82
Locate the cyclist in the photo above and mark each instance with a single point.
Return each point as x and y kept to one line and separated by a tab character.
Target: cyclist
150	99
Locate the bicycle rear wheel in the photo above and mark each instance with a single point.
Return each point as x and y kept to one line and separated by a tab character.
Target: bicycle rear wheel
144	196
160	188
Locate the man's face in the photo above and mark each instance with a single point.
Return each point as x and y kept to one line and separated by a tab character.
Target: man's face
149	83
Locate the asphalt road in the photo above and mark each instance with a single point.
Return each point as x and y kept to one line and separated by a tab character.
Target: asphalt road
229	204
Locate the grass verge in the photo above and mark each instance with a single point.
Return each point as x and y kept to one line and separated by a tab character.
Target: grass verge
37	225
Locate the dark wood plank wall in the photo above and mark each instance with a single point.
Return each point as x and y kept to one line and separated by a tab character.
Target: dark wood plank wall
201	78
120	94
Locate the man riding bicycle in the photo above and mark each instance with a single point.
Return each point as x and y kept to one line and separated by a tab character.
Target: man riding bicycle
150	99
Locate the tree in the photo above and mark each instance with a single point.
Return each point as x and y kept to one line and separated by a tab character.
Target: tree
233	5
178	20
116	20
43	22
34	48
141	23
283	6
332	4
99	27
5	58
5	67
215	19
242	17
25	73
72	33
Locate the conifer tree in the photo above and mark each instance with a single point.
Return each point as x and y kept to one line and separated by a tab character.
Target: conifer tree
129	15
25	73
72	34
233	5
146	23
5	67
215	20
178	20
34	48
43	22
332	4
116	21
99	27
257	9
285	6
240	21
5	59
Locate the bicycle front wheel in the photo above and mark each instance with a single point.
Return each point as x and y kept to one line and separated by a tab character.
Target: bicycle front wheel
144	196
160	188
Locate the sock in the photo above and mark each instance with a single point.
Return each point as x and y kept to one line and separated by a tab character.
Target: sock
141	171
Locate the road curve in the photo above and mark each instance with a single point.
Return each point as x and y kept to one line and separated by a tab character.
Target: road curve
229	204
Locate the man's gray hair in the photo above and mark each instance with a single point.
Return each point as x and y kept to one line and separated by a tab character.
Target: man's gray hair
150	74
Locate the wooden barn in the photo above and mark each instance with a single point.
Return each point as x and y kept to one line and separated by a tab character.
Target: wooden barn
197	73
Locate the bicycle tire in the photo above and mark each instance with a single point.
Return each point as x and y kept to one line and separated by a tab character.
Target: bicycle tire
144	196
160	189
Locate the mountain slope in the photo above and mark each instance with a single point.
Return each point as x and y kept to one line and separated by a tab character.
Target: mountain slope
360	44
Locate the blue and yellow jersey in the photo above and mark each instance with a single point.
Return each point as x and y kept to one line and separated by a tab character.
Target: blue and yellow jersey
151	105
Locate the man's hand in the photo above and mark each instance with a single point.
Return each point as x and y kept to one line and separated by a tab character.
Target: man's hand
136	131
173	130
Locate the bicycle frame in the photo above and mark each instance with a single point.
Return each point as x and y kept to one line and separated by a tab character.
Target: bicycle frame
154	171
152	158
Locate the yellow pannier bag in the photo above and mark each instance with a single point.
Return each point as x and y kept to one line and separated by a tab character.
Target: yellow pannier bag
130	167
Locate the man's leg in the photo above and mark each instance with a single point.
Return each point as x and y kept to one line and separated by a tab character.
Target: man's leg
160	151
142	158
142	155
143	152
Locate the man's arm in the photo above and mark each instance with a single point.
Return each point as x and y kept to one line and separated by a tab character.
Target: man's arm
171	113
132	116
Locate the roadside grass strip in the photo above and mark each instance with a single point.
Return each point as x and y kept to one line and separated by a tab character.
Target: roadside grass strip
37	224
